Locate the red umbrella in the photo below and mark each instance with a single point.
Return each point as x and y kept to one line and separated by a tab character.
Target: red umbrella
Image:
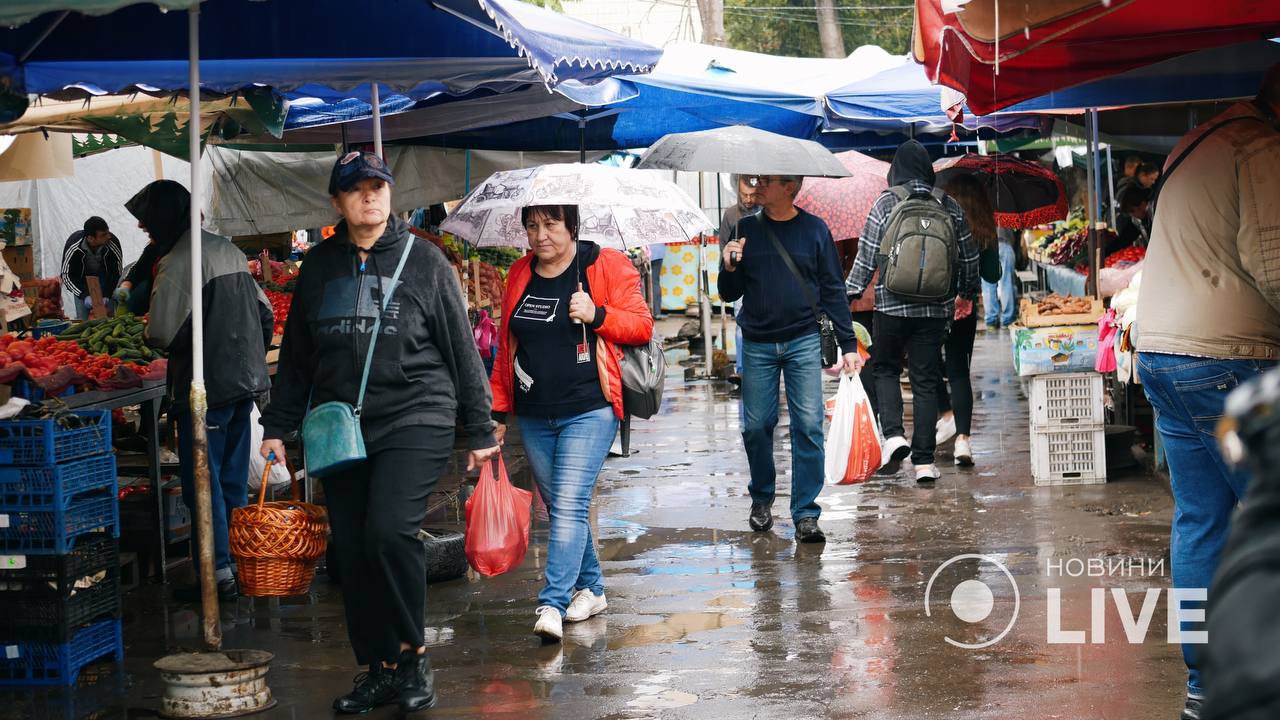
844	202
1022	193
1000	54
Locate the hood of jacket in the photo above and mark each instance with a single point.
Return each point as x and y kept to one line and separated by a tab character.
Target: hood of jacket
911	162
164	209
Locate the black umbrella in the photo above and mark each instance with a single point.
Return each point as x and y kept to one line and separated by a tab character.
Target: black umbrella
1022	193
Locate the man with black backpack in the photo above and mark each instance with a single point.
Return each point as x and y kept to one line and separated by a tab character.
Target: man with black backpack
918	238
793	314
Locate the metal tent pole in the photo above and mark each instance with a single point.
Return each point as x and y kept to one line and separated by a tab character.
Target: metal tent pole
199	401
376	99
704	299
1111	186
1091	210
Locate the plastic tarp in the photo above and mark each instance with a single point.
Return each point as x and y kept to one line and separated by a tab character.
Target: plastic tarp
17	12
1001	54
318	48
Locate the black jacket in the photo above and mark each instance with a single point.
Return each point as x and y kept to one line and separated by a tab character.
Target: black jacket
426	369
76	265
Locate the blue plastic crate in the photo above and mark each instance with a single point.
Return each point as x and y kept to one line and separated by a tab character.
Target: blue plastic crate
44	597
28	390
44	442
42	663
53	531
49	486
49	326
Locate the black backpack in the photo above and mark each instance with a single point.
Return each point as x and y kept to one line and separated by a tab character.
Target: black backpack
919	249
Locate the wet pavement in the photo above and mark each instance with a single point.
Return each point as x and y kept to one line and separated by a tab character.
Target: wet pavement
710	620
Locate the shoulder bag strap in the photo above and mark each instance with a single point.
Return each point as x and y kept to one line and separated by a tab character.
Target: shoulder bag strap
377	324
791	265
1155	194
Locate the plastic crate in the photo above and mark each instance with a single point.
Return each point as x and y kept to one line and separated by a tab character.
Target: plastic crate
39	594
52	486
28	390
54	531
44	663
1076	456
1067	400
49	326
44	442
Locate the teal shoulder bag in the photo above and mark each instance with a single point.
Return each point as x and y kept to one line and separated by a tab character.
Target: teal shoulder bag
331	437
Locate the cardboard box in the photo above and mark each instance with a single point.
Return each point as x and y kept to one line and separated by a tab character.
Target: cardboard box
22	261
1029	315
1065	349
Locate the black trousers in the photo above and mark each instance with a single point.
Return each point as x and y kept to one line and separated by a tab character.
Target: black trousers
920	339
867	320
375	511
957	358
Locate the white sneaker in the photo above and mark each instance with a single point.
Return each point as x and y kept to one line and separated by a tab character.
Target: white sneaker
896	449
946	429
927	473
963	452
585	604
550	625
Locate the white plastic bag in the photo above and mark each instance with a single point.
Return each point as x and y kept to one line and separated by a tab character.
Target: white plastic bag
854	444
279	473
840	434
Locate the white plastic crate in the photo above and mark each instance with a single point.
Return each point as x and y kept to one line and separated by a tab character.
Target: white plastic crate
1068	400
1075	456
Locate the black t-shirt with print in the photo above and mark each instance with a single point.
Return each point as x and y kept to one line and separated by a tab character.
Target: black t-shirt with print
549	379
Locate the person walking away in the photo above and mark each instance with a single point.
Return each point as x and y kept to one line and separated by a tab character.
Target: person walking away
1000	296
929	232
780	338
747	204
1211	322
955	398
424	380
862	311
657	253
237	329
568	309
92	251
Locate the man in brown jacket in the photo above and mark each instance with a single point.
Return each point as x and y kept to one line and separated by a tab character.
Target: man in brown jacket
1208	320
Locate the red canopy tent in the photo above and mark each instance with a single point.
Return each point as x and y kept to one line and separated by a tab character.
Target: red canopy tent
1001	53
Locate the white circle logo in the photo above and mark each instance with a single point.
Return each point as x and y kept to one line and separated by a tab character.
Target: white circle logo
972	601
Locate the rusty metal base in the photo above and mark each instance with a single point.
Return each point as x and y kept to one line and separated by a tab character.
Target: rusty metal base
226	684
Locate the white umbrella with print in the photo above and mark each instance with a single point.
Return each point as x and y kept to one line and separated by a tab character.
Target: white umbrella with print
618	208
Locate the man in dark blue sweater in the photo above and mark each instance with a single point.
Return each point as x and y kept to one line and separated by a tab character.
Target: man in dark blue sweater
780	338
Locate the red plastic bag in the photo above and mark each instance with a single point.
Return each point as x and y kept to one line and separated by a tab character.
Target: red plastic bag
486	334
853	446
497	522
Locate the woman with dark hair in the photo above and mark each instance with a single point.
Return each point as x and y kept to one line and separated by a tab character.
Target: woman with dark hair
956	404
424	376
567	310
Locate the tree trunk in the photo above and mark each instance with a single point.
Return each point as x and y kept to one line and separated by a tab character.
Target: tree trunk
712	14
829	30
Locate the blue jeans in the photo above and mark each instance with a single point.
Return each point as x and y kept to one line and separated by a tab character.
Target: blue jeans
993	292
799	363
229	437
1188	394
566	454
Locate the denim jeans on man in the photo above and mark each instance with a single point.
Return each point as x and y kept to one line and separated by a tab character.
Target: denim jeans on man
921	340
799	363
1188	394
229	438
565	455
1000	300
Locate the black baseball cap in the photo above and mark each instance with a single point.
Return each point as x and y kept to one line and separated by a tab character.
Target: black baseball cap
356	166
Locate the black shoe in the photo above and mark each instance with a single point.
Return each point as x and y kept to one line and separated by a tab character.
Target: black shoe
416	682
761	517
807	531
373	689
228	591
1192	709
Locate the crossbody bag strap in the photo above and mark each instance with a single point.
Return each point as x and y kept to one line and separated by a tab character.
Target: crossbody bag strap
1155	195
377	323
791	265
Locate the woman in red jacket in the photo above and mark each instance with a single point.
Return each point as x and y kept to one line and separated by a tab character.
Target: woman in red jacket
566	311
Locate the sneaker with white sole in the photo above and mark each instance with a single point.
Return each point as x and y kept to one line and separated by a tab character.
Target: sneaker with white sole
896	449
963	452
927	473
945	429
550	625
585	604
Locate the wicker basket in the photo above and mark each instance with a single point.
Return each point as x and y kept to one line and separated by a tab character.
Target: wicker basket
276	544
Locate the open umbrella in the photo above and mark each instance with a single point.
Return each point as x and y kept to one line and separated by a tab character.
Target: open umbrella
843	203
1023	193
617	207
744	150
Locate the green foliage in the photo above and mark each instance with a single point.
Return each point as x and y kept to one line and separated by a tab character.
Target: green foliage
549	4
790	27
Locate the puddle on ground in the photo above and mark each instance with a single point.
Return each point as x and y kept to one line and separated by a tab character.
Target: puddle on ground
674	629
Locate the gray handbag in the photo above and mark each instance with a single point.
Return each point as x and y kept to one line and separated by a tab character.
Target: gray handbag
644	368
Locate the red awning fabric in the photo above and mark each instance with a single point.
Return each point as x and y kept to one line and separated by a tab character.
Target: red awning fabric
1054	44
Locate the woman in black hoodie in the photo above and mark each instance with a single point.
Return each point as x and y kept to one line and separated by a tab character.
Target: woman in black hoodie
425	375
